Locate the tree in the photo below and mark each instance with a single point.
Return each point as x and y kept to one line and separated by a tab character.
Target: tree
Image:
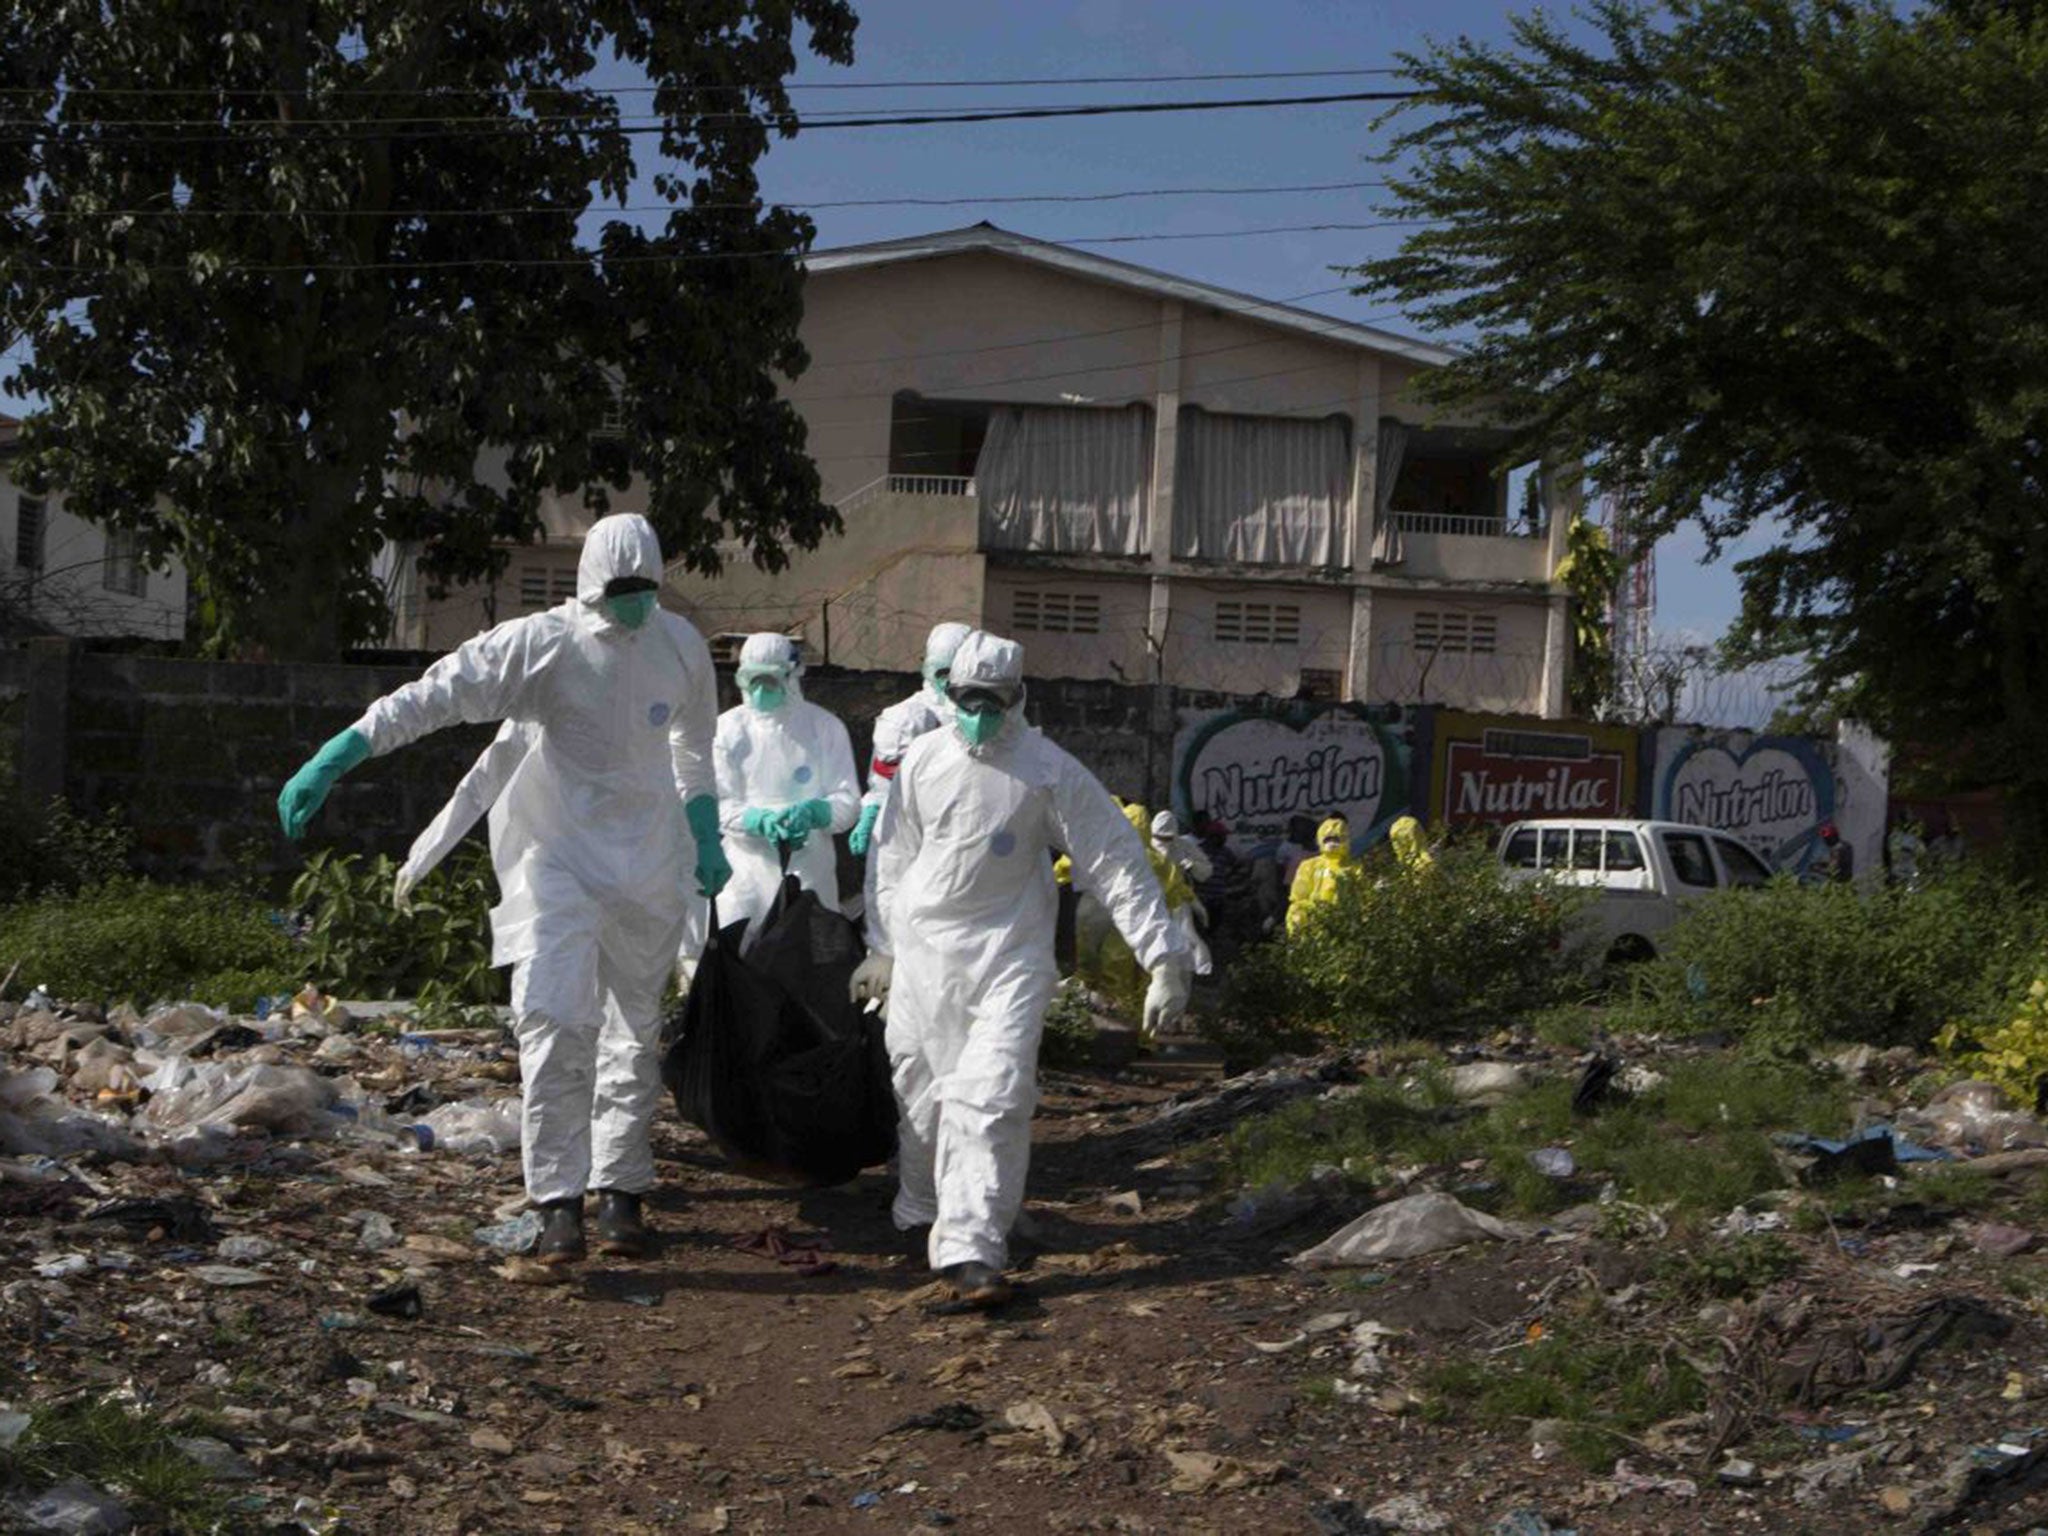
1590	571
302	278
1775	266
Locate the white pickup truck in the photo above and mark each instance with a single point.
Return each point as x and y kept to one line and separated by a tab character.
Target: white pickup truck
1642	869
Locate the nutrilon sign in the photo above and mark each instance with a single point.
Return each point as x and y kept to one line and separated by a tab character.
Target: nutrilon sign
1258	768
1495	772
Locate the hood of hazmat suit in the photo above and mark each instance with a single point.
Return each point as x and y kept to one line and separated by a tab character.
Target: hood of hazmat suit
966	905
940	646
612	733
771	759
1405	835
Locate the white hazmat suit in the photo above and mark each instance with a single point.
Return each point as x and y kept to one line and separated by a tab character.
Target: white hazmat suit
966	906
774	760
909	718
609	734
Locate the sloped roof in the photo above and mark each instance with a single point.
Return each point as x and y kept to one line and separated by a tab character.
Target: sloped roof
1123	274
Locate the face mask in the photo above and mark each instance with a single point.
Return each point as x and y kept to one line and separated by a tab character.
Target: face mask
632	609
935	680
979	729
765	696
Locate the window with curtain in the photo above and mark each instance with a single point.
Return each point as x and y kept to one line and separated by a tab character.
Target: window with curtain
1070	480
1266	490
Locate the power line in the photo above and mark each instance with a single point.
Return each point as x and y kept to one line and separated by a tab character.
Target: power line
590	258
972	200
723	88
814	123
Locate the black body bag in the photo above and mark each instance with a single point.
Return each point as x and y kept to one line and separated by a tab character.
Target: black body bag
770	1058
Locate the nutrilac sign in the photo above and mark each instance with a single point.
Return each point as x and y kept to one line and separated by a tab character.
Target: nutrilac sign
1257	768
1492	770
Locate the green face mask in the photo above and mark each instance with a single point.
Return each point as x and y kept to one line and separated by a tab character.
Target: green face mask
764	695
935	680
979	729
632	609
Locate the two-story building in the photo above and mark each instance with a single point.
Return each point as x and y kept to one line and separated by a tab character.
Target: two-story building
1139	476
62	575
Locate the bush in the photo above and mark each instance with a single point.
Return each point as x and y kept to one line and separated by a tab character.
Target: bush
360	945
1789	966
1402	953
136	941
51	849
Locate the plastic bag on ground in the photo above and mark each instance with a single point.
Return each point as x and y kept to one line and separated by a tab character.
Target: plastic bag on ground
286	1101
1974	1116
771	1059
1404	1228
474	1126
36	1120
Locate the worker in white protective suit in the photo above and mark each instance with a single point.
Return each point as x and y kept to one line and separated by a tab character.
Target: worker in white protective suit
902	723
601	799
961	951
1183	852
786	784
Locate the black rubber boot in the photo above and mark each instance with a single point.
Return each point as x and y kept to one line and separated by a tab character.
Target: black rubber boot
620	1228
978	1286
561	1232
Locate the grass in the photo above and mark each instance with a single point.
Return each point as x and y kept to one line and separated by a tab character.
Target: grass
1603	1388
126	1453
1698	1143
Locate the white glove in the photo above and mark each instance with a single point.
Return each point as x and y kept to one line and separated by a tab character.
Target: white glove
401	888
871	979
1167	998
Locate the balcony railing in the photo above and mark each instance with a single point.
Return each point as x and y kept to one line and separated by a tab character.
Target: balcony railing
909	485
1459	525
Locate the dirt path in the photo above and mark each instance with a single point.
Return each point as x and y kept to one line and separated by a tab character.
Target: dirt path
707	1388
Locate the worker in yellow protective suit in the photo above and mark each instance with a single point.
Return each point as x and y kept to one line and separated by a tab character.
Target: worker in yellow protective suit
1410	851
1101	957
1317	881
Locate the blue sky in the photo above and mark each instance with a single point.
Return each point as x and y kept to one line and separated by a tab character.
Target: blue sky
911	40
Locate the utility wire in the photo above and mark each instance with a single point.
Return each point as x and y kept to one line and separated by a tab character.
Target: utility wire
54	131
267	93
598	258
595	209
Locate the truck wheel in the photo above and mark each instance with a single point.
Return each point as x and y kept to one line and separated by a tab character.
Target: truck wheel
1631	949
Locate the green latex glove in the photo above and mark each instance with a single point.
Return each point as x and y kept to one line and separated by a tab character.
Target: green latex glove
863	830
306	791
812	815
713	869
760	821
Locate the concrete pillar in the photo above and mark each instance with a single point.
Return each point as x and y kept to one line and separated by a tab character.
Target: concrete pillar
1165	434
1557	649
1358	660
1365	455
46	718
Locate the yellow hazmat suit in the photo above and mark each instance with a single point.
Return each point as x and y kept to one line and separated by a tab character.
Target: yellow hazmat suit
1413	855
1317	880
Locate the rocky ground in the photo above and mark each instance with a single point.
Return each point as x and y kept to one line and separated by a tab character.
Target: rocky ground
299	1327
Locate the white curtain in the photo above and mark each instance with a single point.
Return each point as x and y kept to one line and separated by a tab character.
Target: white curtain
1386	536
1066	480
1267	490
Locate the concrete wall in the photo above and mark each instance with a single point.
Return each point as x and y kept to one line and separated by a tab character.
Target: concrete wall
69	593
1507	680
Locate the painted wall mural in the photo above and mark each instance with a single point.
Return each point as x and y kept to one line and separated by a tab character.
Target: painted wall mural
1256	767
1774	793
1491	770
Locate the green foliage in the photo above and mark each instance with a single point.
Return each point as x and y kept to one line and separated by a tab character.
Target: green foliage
1416	953
137	941
1698	1143
1789	966
1069	1038
1728	255
1737	1266
114	1447
1590	571
50	849
360	944
1577	1370
318	302
2012	1053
